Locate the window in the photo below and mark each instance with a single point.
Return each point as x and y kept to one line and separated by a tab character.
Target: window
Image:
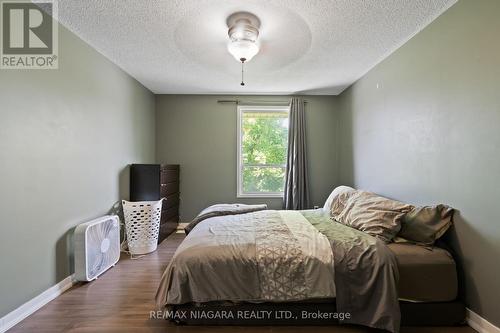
262	150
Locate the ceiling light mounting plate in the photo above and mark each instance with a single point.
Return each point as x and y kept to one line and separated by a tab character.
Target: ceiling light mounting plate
250	19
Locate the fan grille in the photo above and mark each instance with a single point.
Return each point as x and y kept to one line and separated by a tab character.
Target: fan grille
103	246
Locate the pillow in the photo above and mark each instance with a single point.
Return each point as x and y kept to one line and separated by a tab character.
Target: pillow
425	225
371	213
339	189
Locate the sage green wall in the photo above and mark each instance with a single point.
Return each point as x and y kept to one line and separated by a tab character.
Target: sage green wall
66	136
423	127
200	134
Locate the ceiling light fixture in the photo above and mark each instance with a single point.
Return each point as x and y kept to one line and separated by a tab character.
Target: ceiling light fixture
243	37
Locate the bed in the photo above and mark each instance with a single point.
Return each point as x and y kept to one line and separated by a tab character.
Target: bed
301	267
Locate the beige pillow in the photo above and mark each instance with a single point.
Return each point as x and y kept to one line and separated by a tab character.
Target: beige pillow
333	196
425	225
371	213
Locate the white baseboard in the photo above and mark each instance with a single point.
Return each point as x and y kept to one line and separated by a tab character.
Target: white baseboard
14	317
479	323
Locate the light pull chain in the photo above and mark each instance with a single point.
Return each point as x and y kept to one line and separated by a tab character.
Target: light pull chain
242	68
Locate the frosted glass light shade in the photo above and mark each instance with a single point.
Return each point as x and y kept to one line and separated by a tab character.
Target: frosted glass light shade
243	49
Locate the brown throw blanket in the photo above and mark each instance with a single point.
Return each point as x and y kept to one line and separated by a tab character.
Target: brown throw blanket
221	210
366	274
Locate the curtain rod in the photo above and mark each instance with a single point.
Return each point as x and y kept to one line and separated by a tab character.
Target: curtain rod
238	101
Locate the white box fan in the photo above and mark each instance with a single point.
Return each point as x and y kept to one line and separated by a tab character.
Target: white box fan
97	247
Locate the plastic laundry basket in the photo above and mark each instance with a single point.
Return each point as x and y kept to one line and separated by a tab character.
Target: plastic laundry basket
142	225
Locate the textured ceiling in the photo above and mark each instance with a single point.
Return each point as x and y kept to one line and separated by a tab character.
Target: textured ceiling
308	46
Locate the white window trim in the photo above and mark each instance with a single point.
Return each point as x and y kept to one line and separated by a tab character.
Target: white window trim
239	180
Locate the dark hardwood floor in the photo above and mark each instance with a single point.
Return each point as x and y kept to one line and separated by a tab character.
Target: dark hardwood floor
122	298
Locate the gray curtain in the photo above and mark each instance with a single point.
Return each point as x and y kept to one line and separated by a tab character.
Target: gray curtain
296	185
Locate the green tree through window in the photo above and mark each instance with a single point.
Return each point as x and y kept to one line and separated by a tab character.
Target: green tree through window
263	151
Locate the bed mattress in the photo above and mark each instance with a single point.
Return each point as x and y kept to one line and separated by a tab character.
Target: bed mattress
425	274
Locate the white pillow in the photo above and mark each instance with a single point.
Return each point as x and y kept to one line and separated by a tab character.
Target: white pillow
338	190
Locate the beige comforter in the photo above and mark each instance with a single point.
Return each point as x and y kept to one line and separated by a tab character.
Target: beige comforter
265	256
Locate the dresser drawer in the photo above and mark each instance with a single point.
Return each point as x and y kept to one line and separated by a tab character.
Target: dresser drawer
169	167
169	214
169	176
170	201
166	229
169	189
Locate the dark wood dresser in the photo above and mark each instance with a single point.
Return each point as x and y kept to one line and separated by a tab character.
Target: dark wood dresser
154	181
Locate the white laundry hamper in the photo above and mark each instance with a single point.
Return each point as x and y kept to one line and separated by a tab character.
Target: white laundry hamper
142	225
